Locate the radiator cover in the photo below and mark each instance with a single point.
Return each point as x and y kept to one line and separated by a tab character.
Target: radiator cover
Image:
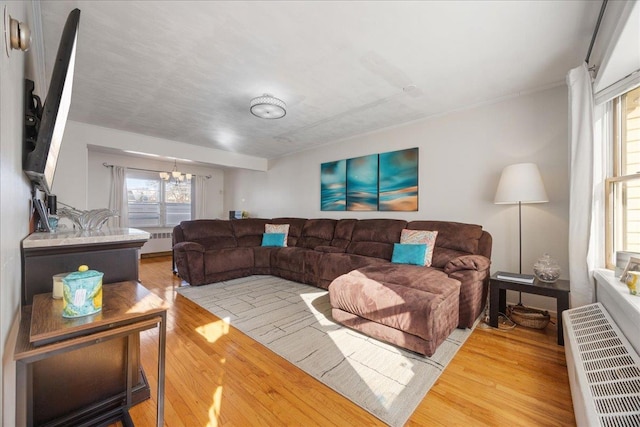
604	369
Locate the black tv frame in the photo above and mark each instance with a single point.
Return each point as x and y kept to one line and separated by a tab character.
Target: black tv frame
44	126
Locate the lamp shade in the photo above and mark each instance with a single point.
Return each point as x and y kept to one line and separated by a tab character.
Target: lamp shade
521	183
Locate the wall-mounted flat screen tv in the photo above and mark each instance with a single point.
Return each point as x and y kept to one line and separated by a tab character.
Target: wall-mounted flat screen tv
44	126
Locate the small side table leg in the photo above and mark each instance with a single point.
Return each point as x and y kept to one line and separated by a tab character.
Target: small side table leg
24	394
561	305
162	332
494	303
502	304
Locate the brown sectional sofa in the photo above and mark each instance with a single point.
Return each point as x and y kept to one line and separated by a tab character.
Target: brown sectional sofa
411	306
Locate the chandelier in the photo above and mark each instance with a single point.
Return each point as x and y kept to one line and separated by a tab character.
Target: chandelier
175	175
268	107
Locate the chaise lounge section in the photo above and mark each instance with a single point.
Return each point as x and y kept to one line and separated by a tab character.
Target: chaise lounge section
415	307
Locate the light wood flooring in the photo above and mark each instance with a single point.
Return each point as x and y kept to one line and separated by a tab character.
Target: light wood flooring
215	375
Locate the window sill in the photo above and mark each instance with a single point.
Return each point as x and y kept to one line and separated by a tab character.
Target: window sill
623	307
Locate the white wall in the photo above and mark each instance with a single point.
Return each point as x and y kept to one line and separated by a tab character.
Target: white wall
71	182
461	157
14	199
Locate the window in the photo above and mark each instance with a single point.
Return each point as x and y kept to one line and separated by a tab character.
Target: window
154	202
623	188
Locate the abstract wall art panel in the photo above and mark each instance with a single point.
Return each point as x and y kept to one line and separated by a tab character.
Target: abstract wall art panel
377	182
333	183
399	180
362	183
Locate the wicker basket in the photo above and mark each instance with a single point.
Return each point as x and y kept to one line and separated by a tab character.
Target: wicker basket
529	317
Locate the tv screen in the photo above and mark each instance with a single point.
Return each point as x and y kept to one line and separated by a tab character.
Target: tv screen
41	158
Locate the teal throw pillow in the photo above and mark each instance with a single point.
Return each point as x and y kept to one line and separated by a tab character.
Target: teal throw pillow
273	239
408	254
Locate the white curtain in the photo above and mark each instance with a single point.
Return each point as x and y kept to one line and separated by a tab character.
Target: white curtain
581	179
200	197
118	197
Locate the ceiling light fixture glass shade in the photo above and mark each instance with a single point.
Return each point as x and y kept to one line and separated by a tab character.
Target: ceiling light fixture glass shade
268	107
175	174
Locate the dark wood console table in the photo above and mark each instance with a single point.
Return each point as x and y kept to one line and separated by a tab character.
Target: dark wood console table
83	371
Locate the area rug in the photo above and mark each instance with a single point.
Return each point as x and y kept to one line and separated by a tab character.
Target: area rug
294	321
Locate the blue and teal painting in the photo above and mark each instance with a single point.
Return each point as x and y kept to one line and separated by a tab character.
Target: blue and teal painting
399	180
362	183
333	186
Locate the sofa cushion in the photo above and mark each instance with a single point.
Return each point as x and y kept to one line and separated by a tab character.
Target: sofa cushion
312	268
248	231
332	265
427	279
343	232
277	229
329	249
274	239
210	233
316	232
454	239
288	259
452	235
375	237
262	258
295	228
421	237
228	259
428	313
408	253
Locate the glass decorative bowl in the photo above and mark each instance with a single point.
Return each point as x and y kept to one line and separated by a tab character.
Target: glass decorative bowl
87	220
546	269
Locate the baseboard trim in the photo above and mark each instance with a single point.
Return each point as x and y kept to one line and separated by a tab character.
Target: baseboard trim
155	254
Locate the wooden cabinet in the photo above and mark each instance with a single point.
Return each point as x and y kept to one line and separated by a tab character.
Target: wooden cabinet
86	368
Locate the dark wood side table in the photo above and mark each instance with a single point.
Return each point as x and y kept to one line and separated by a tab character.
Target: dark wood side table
57	379
498	299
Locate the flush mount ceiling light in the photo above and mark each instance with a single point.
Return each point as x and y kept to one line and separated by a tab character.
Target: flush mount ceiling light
268	107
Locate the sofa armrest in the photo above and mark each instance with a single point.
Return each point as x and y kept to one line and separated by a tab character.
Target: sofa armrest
473	273
467	262
189	259
329	249
189	246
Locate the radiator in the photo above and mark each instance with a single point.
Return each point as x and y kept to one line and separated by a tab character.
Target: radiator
604	369
165	235
159	241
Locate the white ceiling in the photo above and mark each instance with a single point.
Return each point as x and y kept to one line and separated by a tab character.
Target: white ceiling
186	71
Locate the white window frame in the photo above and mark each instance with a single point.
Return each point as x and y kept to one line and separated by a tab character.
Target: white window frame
616	202
162	205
